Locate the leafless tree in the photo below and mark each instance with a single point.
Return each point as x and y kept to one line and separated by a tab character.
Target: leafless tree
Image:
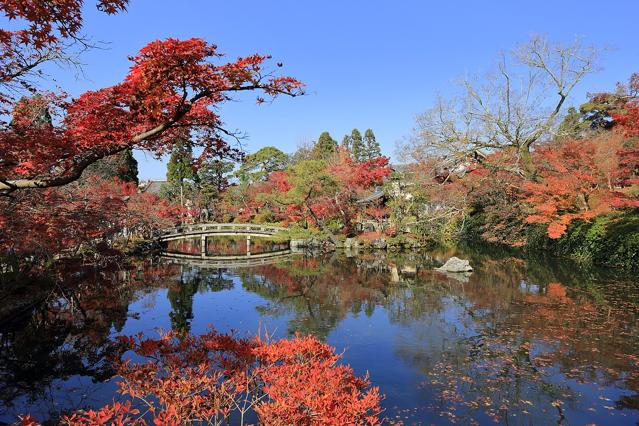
510	109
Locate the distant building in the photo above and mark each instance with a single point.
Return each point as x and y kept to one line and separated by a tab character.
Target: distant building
151	186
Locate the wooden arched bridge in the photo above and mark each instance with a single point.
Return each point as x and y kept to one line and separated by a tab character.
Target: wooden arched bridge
205	230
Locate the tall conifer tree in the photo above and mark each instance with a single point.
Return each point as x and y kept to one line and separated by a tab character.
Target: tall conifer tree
371	146
325	147
357	146
346	142
179	168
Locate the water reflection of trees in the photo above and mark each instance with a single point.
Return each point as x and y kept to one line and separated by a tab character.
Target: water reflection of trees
311	292
65	334
61	331
524	334
225	246
499	343
182	291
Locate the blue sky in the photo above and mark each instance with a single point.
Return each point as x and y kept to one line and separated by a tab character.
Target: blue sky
366	63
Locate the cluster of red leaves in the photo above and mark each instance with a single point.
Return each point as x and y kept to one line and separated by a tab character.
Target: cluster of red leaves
174	87
42	29
377	212
305	385
573	180
351	179
170	81
49	21
585	178
581	179
359	176
89	213
205	379
629	155
574	184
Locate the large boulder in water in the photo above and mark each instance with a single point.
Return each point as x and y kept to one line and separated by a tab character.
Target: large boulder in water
455	264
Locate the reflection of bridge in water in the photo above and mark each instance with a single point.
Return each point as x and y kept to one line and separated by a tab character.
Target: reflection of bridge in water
229	261
205	230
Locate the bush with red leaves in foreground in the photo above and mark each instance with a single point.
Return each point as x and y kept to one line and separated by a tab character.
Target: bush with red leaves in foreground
215	378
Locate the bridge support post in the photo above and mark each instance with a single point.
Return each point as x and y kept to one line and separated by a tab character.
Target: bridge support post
203	245
248	245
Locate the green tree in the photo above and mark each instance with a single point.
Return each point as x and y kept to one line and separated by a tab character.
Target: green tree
357	146
121	165
346	142
216	173
573	126
372	149
180	168
325	147
213	178
180	176
258	166
310	181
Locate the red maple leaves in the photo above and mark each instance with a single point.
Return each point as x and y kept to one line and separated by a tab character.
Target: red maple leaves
173	85
50	21
205	379
579	179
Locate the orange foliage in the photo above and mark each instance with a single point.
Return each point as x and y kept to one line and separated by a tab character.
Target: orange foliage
576	182
203	379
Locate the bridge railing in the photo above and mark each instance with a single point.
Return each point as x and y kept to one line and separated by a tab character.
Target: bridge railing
245	228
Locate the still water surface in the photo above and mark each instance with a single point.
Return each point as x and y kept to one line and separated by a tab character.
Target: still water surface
519	341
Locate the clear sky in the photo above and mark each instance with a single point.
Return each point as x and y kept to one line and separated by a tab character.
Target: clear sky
366	63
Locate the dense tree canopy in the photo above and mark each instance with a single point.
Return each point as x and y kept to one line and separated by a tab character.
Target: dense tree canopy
171	82
258	166
325	147
169	102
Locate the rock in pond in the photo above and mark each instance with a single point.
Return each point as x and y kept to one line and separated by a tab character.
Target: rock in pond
454	264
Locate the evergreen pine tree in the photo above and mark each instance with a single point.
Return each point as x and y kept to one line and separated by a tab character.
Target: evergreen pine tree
179	172
121	165
573	127
128	171
357	146
325	147
346	142
179	168
258	166
371	146
213	178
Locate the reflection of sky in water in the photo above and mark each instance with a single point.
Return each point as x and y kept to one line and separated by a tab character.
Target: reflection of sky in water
400	332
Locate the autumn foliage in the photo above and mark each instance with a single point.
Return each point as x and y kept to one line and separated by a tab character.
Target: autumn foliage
49	203
213	378
318	191
575	179
171	82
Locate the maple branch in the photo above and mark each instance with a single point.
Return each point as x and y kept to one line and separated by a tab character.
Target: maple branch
10	185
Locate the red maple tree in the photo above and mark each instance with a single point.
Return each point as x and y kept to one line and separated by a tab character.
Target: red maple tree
174	87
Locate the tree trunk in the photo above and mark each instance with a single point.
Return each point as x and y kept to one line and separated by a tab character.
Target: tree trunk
528	168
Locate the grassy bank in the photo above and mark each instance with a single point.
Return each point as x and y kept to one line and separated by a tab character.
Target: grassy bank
610	240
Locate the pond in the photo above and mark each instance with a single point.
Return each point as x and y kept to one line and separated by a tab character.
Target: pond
518	341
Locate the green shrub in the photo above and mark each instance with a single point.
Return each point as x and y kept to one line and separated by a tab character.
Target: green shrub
611	240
